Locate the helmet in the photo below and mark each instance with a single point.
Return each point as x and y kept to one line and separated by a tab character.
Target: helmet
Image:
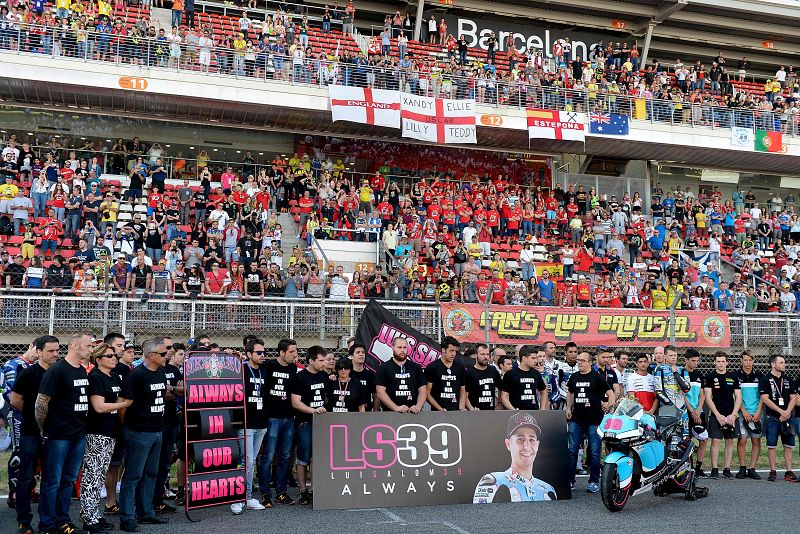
700	432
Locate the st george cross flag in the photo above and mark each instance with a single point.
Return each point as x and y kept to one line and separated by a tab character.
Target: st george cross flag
548	124
365	105
437	120
608	124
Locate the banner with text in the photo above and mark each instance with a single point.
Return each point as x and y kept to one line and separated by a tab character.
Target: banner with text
378	327
214	412
374	460
437	120
584	326
365	105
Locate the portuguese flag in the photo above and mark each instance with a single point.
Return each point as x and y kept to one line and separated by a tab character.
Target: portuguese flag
769	141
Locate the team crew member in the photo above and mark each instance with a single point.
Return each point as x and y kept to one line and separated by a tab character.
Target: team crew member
550	363
399	382
365	376
344	393
308	398
695	400
445	377
664	377
481	382
147	388
517	483
523	387
565	370
658	359
749	419
776	394
723	398
642	385
280	425
169	433
589	396
61	412
123	369
23	401
256	418
103	429
11	370
180	391
602	366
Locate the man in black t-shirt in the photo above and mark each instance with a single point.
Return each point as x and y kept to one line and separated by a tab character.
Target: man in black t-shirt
400	383
278	374
481	381
308	398
723	396
364	375
589	396
147	387
61	413
777	394
169	432
523	387
23	399
445	377
603	367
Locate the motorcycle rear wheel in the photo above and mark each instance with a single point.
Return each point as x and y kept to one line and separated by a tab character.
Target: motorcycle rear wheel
614	498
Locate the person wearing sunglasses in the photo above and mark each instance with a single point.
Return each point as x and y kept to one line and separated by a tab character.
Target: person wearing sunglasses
147	389
169	431
103	430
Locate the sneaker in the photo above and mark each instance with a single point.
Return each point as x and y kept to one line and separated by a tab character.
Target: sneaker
153	520
699	473
266	501
105	523
180	497
714	473
572	486
253	504
129	526
164	508
582	472
593	487
742	472
169	494
237	508
790	477
751	473
305	498
69	528
111	510
284	498
292	482
22	528
772	476
95	528
727	473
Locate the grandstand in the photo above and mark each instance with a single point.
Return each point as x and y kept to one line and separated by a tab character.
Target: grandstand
235	103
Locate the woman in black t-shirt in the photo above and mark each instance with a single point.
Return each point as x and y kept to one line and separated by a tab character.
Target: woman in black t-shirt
342	394
103	428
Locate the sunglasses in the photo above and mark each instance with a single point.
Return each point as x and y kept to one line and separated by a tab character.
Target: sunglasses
112	355
259	352
160	353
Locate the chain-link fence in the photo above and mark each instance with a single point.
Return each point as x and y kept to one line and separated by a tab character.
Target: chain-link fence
309	321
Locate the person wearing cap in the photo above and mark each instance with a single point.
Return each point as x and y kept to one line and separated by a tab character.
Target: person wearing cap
723	396
589	397
749	418
779	402
517	483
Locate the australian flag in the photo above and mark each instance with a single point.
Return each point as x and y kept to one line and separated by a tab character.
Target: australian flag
608	124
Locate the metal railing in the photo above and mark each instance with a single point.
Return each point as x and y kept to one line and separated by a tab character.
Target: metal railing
328	67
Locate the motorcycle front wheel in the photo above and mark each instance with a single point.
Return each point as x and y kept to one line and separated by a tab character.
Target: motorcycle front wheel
614	498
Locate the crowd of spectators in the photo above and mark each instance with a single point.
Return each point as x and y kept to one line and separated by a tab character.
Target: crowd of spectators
506	239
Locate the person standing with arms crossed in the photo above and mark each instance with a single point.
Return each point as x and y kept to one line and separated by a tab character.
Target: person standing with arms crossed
399	383
723	396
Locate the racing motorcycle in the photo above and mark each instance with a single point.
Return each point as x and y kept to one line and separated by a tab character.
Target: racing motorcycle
646	452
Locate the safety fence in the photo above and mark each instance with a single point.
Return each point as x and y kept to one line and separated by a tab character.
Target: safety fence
325	321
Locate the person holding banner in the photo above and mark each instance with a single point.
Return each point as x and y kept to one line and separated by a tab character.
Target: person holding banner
445	377
481	382
523	387
345	394
308	398
256	421
364	375
399	383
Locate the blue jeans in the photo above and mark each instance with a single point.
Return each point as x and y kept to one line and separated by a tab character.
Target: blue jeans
39	204
177	17
168	435
141	468
62	462
577	432
280	438
30	449
302	432
527	271
326	27
254	438
73	227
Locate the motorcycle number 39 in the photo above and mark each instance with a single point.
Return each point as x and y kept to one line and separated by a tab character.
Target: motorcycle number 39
613	424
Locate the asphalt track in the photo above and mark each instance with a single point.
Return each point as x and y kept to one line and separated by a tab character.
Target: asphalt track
725	510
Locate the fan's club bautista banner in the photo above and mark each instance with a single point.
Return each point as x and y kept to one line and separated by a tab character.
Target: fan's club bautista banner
214	413
374	460
584	326
438	120
365	105
378	327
